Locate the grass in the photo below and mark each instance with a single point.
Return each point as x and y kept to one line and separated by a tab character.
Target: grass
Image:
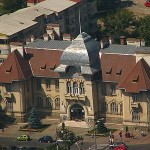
93	131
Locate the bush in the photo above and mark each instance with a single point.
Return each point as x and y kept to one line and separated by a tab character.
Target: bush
101	127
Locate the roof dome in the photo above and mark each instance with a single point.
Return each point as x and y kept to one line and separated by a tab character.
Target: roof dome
83	52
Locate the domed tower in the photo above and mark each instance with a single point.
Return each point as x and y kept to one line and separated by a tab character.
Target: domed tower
79	68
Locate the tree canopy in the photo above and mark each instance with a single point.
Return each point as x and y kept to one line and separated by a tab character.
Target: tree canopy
9	6
68	136
34	120
118	23
143	29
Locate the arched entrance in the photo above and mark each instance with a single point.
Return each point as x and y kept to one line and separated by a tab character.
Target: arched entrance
77	112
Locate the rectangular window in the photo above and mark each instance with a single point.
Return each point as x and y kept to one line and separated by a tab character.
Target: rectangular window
39	87
57	84
135	97
8	87
113	89
48	83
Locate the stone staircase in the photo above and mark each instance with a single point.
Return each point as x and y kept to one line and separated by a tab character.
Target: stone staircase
77	124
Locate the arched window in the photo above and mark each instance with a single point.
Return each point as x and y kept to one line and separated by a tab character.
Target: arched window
114	108
39	102
69	89
121	109
82	89
136	115
49	103
75	88
57	103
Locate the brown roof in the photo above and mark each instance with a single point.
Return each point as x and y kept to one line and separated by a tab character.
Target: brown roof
138	79
15	68
43	62
116	67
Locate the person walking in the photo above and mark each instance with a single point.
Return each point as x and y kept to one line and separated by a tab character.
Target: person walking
120	134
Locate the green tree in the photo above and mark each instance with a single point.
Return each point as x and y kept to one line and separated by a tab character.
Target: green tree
143	29
101	127
9	6
34	120
118	24
68	137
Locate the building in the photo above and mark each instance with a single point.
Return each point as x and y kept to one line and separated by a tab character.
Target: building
25	25
78	80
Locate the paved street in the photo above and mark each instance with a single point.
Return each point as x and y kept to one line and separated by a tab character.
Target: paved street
11	132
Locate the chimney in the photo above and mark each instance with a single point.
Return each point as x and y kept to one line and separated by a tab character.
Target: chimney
67	37
46	37
102	44
32	38
110	40
122	40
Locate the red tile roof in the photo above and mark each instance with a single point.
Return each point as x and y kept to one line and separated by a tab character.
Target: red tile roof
15	68
43	62
138	79
116	67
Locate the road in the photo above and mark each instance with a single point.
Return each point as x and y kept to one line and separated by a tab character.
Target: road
8	141
140	147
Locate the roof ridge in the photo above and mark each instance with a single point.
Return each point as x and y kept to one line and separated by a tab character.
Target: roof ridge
144	71
16	58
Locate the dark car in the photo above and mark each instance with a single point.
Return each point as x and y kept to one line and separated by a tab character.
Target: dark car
46	139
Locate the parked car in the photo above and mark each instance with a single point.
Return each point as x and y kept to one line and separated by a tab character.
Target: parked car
120	146
23	138
147	4
46	139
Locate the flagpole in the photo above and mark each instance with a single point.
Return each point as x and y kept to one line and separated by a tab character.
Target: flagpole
79	21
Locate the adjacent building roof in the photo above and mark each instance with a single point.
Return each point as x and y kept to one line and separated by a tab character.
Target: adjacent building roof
57	5
83	52
119	49
124	49
116	67
51	44
15	68
43	62
138	79
24	18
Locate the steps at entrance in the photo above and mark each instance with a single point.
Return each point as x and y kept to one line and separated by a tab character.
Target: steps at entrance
77	124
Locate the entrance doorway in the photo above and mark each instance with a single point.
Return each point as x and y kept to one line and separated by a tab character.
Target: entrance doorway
77	112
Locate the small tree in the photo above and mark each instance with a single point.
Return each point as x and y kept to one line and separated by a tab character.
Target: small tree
101	127
34	120
68	137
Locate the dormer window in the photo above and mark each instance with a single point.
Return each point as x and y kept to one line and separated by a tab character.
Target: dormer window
43	67
118	71
8	70
136	79
108	70
53	68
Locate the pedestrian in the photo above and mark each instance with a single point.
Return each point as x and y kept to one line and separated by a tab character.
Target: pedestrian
142	132
120	134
